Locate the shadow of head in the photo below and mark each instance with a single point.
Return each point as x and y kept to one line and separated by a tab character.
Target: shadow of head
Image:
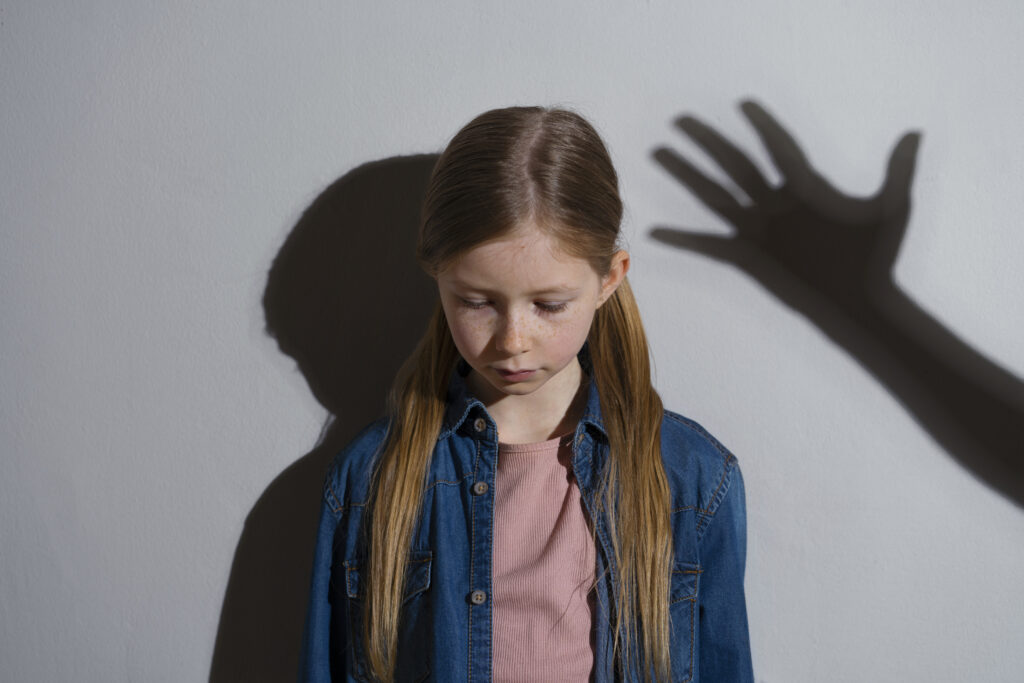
345	297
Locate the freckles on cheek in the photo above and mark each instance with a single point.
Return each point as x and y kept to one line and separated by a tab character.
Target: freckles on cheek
471	332
569	336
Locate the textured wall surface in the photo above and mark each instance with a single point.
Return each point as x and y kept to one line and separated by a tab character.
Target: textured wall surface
157	155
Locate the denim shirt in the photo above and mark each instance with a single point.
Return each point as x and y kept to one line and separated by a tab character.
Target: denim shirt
445	629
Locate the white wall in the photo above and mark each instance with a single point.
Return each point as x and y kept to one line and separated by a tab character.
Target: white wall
156	155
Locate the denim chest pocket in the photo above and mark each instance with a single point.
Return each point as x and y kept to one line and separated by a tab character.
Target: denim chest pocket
682	612
414	623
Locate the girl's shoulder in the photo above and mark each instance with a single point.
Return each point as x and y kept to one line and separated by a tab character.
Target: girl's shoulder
699	468
347	482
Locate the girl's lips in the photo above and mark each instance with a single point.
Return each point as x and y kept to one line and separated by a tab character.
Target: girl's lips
517	376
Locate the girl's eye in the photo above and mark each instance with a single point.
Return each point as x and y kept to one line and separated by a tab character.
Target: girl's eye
549	307
468	303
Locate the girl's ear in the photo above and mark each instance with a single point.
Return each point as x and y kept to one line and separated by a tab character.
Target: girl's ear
616	273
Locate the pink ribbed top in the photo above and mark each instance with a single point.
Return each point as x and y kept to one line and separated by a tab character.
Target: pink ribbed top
543	570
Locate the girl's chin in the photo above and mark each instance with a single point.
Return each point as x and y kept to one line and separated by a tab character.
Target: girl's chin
518	387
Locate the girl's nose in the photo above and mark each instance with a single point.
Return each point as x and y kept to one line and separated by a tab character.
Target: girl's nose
511	337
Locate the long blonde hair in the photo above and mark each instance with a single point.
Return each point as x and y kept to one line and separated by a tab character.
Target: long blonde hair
503	167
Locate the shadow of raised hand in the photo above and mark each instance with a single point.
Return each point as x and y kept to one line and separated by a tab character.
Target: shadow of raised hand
831	257
839	246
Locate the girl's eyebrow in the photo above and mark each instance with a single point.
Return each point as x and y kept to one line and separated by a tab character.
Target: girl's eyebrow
557	289
560	290
553	289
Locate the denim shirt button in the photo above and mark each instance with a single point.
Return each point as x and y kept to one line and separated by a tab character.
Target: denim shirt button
478	597
479	424
480	488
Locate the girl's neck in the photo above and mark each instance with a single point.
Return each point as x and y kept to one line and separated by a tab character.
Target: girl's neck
550	411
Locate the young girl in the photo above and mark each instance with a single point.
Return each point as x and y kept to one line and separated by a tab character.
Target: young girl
527	511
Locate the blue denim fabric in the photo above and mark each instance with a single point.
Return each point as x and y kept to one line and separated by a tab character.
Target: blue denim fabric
445	635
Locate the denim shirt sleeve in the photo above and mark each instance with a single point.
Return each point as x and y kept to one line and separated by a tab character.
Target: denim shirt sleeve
724	639
317	648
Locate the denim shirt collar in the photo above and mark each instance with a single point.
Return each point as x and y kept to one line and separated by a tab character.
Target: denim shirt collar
462	405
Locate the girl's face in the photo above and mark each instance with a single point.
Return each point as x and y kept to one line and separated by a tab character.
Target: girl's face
519	308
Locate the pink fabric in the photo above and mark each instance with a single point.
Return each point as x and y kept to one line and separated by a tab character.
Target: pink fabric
544	559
